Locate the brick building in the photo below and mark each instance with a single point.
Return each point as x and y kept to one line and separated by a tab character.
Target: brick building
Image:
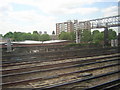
65	26
71	26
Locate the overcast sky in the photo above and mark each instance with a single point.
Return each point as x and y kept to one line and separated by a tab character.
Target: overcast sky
42	15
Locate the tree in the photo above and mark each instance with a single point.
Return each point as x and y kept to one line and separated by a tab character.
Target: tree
98	37
73	35
111	34
44	37
67	36
53	33
86	36
35	32
36	37
27	36
1	35
9	35
18	36
63	36
95	32
21	36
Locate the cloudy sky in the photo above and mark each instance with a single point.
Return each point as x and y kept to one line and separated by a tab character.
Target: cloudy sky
42	15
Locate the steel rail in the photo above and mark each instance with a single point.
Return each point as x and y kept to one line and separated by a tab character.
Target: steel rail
55	76
78	80
113	87
58	68
80	61
106	85
23	63
47	60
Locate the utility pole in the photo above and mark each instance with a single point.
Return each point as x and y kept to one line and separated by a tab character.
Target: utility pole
106	41
118	39
9	49
78	36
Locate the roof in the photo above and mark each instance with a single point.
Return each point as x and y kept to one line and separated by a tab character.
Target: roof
38	42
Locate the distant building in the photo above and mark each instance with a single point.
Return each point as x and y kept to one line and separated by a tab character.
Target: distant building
4	40
72	26
85	25
65	26
40	32
45	32
53	36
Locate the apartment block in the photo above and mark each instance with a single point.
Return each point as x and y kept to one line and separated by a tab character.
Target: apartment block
65	26
71	26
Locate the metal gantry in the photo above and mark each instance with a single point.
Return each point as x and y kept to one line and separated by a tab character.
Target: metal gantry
113	21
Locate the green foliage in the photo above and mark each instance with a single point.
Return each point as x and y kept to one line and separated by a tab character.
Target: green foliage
53	32
67	36
35	32
73	36
95	32
27	36
44	37
95	37
86	36
35	37
63	36
112	34
1	35
9	35
20	36
98	37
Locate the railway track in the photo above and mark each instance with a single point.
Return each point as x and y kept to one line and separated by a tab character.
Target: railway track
97	64
56	67
31	67
72	85
108	85
59	76
54	55
62	59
